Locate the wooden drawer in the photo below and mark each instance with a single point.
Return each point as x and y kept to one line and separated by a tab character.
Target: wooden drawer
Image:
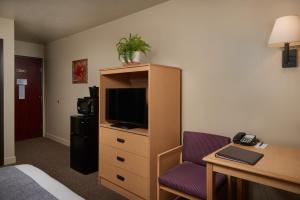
136	164
119	190
130	142
123	178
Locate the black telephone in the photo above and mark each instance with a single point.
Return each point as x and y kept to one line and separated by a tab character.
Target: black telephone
245	139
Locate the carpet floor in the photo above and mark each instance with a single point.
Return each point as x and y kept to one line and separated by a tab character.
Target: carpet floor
54	158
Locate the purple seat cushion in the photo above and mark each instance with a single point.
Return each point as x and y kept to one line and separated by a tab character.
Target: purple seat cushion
198	145
189	178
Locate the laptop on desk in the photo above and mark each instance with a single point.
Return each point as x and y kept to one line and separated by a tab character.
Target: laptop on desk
239	155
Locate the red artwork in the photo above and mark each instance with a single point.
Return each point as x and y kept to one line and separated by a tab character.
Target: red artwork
79	71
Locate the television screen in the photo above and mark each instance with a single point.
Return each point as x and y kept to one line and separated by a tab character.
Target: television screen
127	106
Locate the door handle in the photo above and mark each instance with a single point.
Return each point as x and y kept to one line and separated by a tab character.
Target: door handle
120	140
121	159
121	178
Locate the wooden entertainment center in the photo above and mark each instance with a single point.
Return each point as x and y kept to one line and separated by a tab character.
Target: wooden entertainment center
128	157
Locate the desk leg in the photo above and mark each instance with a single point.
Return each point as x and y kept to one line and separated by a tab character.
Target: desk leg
210	181
229	187
241	189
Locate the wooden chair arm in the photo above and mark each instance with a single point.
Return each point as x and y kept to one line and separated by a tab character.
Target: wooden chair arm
177	149
168	159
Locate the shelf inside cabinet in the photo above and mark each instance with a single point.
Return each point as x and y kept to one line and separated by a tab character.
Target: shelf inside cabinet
138	131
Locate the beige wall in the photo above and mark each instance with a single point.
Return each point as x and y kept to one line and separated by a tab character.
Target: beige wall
231	80
29	49
7	33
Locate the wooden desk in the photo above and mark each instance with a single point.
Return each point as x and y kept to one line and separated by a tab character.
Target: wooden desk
279	168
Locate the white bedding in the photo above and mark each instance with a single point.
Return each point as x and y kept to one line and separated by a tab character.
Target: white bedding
48	183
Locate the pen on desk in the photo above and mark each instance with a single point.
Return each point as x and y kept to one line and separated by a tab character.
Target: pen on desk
261	143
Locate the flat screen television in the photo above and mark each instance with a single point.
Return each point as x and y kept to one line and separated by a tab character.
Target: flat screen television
127	107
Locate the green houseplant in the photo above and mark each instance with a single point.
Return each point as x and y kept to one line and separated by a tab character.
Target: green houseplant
129	49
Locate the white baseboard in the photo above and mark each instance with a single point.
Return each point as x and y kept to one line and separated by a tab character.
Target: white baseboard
57	139
10	160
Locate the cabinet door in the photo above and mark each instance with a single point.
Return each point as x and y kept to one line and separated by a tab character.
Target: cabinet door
79	151
83	154
79	125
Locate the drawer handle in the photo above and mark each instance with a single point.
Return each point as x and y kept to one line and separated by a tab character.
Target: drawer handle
120	140
120	159
121	178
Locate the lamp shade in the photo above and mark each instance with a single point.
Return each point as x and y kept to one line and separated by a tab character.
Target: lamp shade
286	30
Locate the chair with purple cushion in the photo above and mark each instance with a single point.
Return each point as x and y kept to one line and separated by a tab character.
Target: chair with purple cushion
188	177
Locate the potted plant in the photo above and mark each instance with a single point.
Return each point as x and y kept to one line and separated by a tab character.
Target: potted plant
130	49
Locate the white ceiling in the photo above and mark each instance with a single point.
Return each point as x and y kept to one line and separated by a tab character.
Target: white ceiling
42	21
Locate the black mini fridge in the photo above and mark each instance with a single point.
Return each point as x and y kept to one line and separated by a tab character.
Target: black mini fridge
84	143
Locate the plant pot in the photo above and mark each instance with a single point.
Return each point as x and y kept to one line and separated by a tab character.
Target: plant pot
126	58
122	59
137	57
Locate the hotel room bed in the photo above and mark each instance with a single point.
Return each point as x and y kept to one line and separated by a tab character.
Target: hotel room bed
26	182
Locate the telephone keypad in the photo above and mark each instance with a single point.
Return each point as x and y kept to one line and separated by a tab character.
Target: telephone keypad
247	139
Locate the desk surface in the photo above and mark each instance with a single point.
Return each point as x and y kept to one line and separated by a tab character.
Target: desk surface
279	162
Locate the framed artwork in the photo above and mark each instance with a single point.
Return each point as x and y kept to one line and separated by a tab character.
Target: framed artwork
80	71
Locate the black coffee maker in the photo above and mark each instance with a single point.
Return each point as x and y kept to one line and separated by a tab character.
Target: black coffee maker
89	105
94	92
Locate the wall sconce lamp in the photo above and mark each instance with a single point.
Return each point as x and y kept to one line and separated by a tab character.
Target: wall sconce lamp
286	33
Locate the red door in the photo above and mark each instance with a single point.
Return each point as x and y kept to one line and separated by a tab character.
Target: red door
28	98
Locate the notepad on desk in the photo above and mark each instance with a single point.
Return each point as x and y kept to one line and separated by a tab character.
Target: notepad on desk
239	155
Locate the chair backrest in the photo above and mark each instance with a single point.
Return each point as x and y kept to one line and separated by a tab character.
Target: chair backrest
197	145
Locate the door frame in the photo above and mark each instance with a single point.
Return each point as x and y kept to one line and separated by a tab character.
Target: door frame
42	90
1	102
